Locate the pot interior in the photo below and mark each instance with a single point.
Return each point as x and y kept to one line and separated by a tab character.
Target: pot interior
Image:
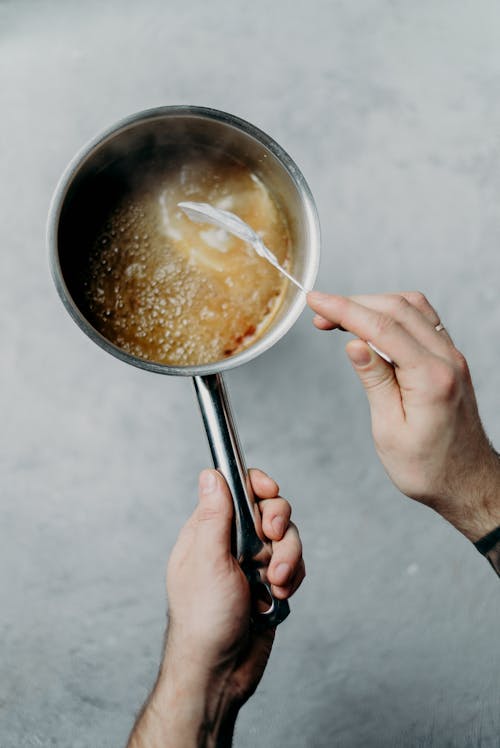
112	167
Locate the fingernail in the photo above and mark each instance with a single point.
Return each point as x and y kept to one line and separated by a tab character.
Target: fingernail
282	572
278	524
208	481
359	356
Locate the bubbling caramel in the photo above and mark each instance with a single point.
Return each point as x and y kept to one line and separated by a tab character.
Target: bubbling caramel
179	293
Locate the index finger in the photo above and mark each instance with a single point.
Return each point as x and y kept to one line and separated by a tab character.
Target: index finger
369	325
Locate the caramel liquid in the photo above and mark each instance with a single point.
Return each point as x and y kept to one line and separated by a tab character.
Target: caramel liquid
175	292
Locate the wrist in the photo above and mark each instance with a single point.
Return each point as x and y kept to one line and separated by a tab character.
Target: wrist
476	512
195	708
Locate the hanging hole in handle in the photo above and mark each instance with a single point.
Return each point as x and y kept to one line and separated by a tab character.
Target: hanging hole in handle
262	599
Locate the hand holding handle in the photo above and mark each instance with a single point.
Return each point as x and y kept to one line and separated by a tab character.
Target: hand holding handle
250	547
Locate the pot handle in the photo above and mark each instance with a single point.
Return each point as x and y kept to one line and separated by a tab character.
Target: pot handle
252	551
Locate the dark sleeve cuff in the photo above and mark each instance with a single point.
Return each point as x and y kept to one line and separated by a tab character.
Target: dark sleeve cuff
489	546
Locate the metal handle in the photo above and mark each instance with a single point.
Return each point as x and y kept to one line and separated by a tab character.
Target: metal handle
250	548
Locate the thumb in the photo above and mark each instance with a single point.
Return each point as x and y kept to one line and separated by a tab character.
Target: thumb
377	377
214	513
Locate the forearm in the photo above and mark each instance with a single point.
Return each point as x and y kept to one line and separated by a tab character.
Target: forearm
185	710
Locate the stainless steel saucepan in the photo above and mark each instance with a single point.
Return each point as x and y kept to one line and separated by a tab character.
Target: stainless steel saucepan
107	165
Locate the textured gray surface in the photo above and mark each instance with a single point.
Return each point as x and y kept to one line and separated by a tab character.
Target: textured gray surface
393	113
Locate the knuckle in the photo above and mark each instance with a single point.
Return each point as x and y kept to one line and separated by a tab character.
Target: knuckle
419	300
299	547
206	514
446	381
460	363
277	504
398	304
383	323
299	577
342	302
373	380
277	508
292	542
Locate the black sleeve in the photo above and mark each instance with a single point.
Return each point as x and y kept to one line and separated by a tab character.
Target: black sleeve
489	546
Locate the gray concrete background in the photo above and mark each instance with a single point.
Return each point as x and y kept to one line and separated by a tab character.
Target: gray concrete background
392	110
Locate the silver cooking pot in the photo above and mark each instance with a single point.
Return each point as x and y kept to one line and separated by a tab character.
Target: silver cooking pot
107	166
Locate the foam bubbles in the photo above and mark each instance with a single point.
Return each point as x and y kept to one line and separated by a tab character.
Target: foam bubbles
168	291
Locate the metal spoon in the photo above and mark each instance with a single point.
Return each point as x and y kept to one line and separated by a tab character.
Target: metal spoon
205	213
